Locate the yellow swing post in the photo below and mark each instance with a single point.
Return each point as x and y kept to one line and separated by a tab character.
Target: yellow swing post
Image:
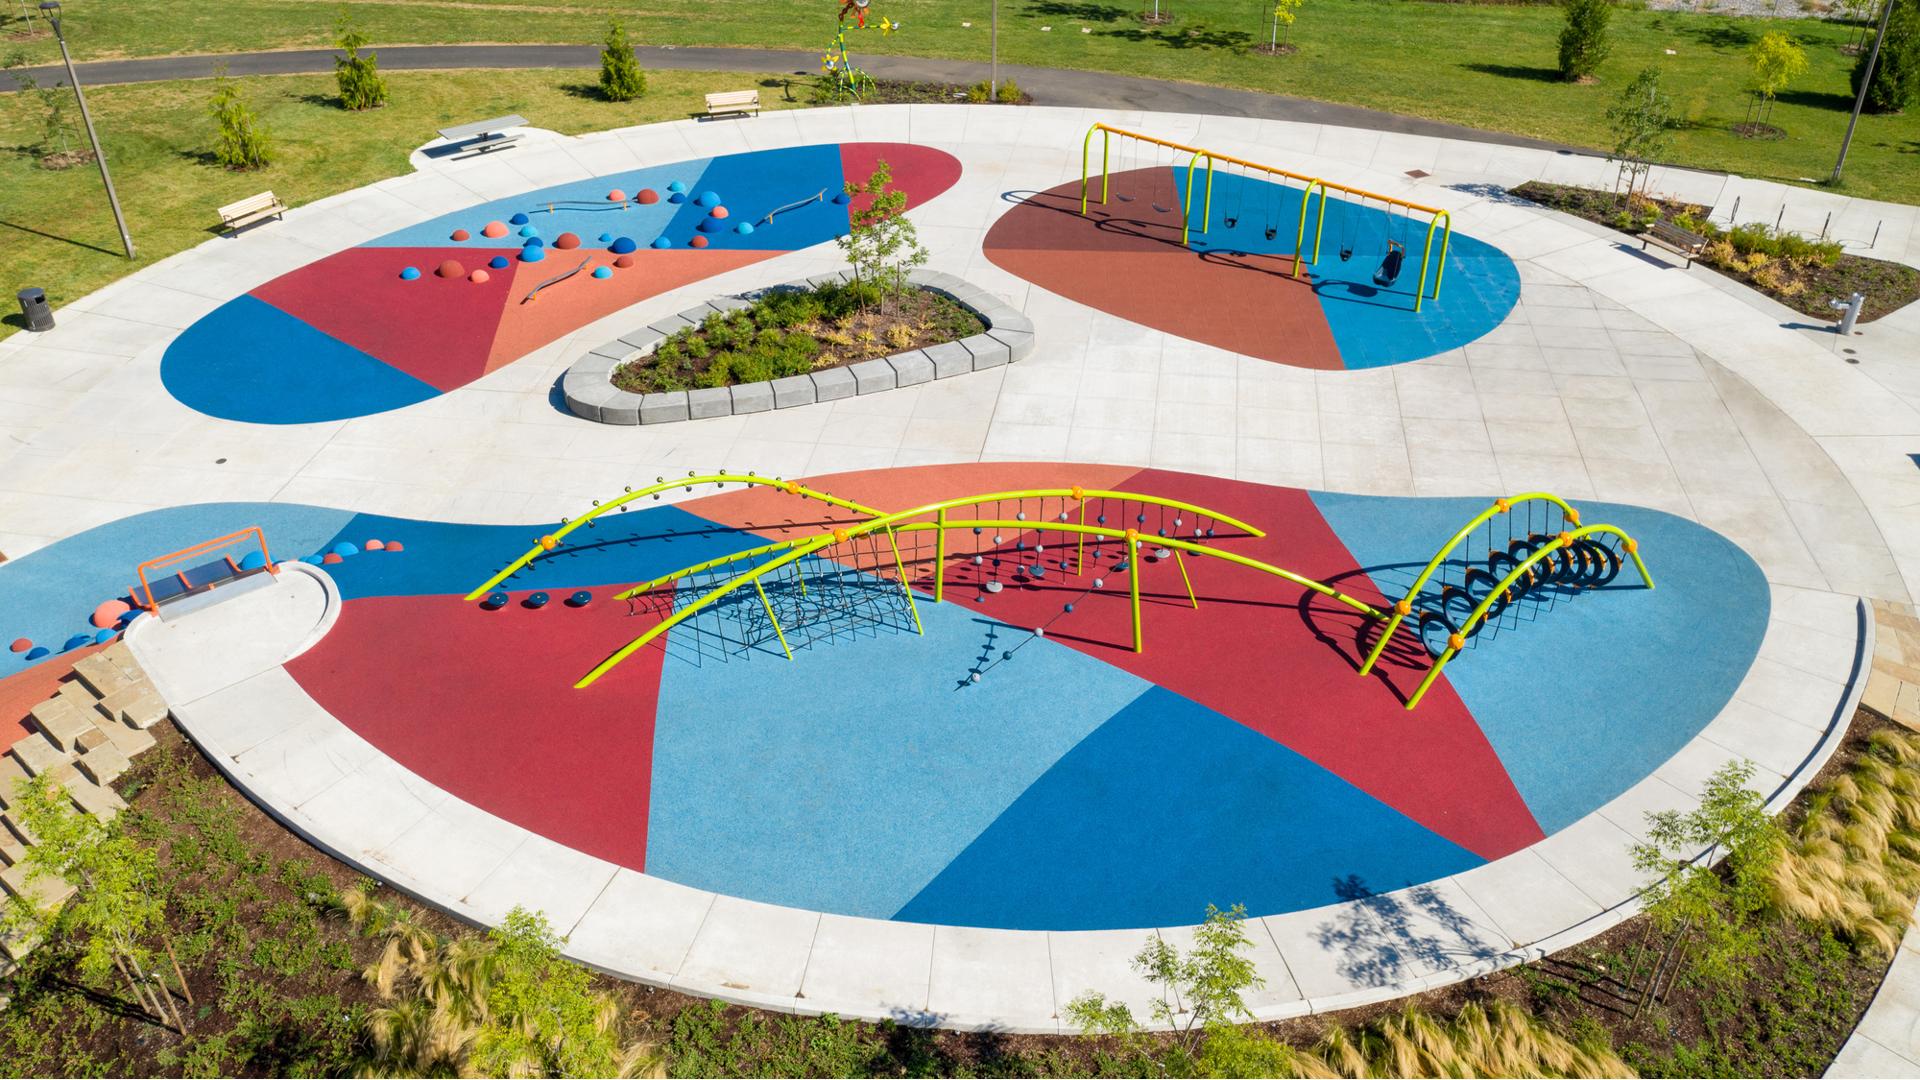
939	554
1300	236
1426	256
1133	587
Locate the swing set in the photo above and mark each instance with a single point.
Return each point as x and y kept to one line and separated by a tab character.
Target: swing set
1400	225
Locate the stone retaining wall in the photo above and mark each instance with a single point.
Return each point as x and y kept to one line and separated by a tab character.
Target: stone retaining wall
589	390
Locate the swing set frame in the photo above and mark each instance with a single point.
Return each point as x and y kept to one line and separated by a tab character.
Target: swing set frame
1439	221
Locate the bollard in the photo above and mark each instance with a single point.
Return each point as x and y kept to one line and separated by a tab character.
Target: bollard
1850	312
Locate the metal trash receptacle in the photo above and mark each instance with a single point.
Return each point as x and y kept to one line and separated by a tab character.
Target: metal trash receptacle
33	304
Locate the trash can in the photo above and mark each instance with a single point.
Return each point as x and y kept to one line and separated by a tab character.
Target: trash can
33	304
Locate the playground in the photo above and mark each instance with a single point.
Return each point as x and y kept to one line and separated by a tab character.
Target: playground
1344	543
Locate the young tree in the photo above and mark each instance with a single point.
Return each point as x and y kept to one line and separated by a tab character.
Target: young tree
1642	119
361	84
1284	13
1896	75
881	243
1583	41
239	144
1711	917
543	1016
117	907
1772	62
1199	990
620	76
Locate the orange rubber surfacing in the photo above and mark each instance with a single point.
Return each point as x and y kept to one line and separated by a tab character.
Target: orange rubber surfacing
1126	259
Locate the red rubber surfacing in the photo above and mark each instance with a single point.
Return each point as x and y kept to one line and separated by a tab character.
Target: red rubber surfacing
920	172
1127	260
438	330
481	703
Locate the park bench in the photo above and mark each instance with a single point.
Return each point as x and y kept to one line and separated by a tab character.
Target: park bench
734	103
483	136
251	209
1674	239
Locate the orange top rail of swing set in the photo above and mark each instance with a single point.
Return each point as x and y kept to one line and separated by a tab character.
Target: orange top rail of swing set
1299	242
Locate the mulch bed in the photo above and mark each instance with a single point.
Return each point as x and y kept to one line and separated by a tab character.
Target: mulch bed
1887	286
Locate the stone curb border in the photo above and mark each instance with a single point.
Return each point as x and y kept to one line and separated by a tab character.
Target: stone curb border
590	393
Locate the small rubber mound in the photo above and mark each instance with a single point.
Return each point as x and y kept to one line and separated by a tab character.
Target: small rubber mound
77	641
623	262
622	246
534	241
461	236
529	231
411	273
494	230
697	242
330	559
532	254
677	188
719	212
479	277
744	228
566	241
840	199
344	548
606	238
661	243
373	545
395	546
39	652
708	225
253	560
105	615
20	645
518	219
450	269
708	198
677	198
499	262
616	195
104	636
603	272
648	197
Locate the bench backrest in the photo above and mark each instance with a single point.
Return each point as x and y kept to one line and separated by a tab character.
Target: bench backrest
1667	230
249	205
483	127
734	97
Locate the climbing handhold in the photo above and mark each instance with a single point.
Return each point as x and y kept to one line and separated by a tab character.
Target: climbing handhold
106	614
623	245
411	273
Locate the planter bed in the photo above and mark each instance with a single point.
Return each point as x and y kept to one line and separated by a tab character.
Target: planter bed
589	390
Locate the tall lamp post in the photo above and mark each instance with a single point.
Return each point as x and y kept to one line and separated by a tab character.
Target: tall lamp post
993	54
1866	83
51	9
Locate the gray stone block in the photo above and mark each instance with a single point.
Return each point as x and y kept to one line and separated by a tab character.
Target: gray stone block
709	403
585	392
1019	342
793	390
623	408
752	397
643	338
672	324
818	280
730	303
986	351
949	359
663	408
911	368
615	350
872	376
833	384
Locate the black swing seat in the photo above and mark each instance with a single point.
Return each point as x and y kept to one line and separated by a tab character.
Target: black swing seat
1389	271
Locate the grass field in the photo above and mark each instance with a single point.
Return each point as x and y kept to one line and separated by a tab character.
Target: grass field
1484	66
56	231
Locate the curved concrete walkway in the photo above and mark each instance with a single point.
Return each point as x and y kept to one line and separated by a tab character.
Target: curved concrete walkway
1617	377
1887	1041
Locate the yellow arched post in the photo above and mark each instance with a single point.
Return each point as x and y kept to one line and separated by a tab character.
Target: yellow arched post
1133	589
1086	147
1426	256
1500	506
1206	207
1564	540
1299	239
940	556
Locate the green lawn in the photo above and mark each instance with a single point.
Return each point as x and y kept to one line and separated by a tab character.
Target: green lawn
1485	66
56	231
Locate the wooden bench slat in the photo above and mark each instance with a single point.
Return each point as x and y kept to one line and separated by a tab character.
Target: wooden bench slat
1675	239
728	102
251	209
482	127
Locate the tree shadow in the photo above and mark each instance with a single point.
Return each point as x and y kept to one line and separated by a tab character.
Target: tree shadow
323	101
1384	939
1816	99
1199	37
1497	193
1517	71
1726	34
1063	9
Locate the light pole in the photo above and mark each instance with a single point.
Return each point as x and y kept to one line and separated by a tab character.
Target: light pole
51	9
1866	83
993	53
